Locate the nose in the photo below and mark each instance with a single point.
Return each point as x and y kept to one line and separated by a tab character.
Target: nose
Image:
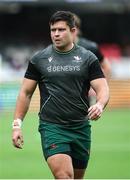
57	32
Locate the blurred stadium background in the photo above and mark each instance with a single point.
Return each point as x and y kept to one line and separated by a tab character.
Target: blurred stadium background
23	30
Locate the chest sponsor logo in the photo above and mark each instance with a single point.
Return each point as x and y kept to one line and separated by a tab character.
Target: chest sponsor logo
67	68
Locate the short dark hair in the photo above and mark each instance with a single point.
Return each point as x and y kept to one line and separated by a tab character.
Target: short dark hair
66	16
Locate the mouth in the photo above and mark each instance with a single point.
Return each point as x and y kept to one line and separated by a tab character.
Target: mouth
57	42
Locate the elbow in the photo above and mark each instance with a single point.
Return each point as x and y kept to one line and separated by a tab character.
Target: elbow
25	95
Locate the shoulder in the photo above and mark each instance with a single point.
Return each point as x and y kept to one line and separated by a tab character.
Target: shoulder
41	54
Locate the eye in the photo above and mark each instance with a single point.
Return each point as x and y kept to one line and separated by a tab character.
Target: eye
62	29
53	30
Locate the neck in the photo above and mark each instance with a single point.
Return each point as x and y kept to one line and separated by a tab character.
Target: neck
65	49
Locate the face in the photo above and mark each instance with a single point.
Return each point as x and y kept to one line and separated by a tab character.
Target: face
62	36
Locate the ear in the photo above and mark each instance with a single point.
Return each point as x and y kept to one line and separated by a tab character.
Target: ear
73	30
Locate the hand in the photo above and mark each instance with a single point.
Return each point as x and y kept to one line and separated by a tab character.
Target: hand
95	111
17	138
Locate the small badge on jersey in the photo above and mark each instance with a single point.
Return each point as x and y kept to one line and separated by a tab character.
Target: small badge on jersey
77	59
50	59
52	146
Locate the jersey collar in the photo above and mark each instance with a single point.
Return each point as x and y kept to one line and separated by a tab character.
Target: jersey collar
67	52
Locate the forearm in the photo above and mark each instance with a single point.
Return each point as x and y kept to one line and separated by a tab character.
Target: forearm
22	106
102	97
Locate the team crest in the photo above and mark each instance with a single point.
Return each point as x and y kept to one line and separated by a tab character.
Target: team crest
50	59
77	58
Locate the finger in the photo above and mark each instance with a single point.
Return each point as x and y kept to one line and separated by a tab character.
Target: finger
92	112
95	117
95	114
21	140
90	108
17	143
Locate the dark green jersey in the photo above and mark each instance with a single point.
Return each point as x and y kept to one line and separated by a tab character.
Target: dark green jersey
64	81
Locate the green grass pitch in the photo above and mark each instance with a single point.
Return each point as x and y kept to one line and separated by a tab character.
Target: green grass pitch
110	153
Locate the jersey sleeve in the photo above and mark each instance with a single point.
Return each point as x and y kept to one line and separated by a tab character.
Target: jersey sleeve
95	71
32	73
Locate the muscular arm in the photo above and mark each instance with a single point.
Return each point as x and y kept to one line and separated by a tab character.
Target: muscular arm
22	105
24	98
100	86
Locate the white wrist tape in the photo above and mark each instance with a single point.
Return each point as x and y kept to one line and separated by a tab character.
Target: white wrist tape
17	123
